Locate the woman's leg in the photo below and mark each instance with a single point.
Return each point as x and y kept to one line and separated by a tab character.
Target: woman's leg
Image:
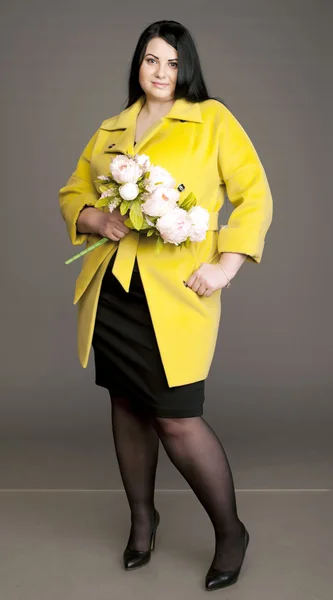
136	444
197	453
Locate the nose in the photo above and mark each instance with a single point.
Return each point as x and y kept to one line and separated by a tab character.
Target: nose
160	71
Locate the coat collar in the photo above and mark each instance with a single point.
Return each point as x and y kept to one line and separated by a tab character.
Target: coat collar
182	110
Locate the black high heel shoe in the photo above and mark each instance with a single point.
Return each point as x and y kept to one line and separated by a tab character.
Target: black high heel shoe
137	558
219	579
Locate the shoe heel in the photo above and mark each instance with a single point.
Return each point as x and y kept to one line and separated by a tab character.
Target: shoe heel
153	537
246	541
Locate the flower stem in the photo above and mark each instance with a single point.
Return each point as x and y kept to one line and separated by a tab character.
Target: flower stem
99	243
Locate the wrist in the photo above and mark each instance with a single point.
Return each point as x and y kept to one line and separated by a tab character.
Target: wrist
231	262
227	278
230	272
100	221
89	220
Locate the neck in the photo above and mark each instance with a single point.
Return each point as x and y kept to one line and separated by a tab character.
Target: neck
155	108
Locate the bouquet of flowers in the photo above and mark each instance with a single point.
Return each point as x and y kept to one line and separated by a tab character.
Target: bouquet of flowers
149	196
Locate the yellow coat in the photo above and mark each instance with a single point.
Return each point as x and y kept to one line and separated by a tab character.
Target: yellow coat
204	147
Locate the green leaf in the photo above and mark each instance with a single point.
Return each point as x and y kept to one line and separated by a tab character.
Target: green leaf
150	232
159	245
101	182
145	225
136	215
188	202
129	224
102	202
124	207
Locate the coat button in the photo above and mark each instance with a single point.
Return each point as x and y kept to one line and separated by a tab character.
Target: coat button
111	145
181	187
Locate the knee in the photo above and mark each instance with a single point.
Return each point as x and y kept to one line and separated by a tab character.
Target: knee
173	427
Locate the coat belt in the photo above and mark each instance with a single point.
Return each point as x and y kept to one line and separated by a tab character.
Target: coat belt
127	250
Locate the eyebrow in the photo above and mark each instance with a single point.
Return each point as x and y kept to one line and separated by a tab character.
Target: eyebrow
150	54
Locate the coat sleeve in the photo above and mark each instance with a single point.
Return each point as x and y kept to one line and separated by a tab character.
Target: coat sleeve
248	191
78	193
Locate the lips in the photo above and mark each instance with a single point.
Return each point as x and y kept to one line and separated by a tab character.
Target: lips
160	84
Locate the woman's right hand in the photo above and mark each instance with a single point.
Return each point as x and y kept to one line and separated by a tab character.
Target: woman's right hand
112	225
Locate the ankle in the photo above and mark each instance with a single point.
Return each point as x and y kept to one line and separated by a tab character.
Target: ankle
230	531
141	516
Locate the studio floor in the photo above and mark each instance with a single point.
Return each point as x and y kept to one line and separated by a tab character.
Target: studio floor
64	523
69	544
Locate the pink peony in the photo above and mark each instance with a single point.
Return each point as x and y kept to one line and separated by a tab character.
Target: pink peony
125	170
162	200
174	226
199	219
159	176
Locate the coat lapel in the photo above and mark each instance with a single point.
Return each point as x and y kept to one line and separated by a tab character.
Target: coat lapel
125	122
182	110
124	143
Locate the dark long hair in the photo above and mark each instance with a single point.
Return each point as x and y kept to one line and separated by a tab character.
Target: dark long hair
190	81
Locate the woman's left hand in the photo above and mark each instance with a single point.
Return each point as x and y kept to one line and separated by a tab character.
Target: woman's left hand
207	279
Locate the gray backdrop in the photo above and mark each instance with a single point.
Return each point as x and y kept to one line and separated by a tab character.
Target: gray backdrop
269	394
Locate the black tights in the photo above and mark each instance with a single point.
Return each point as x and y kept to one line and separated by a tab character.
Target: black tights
197	453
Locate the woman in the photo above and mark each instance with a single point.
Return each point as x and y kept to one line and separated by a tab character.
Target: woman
153	319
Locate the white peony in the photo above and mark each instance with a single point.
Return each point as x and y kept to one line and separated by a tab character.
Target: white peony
199	219
129	191
160	201
159	176
174	226
125	170
143	161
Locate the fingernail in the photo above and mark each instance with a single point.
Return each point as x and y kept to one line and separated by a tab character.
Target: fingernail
184	282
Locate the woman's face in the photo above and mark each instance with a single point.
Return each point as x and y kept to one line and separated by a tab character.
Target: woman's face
159	70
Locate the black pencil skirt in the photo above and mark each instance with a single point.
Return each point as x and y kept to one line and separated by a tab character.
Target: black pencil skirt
127	357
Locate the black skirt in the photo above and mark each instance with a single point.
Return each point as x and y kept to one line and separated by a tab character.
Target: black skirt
127	357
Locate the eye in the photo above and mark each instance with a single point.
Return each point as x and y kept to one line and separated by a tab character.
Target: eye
150	59
174	65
